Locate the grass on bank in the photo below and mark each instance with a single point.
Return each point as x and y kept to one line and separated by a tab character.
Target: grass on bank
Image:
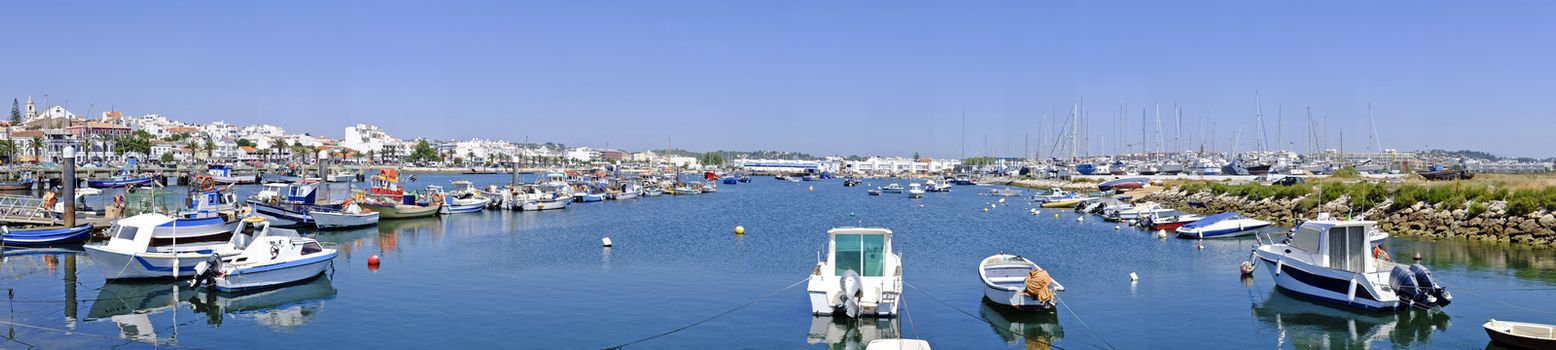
1524	193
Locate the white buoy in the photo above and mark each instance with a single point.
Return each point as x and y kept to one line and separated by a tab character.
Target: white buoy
1078	218
605	241
1161	234
1133	277
1116	227
1035	212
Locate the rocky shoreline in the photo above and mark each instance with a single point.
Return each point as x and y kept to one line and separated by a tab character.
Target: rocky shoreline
1494	224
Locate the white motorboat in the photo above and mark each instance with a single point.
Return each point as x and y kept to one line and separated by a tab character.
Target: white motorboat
270	257
861	275
1136	213
915	191
1334	261
464	198
892	188
129	253
1226	224
341	176
1012	281
349	215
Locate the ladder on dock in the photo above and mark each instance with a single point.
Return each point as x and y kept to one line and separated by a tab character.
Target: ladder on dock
15	209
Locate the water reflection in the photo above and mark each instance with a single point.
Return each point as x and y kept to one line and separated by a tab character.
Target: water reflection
1522	262
130	306
1307	325
851	333
1039	330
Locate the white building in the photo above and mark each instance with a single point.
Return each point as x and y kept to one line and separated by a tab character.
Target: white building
787	166
895	165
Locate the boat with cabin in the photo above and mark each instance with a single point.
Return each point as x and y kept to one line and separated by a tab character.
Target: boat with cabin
892	188
130	254
223	174
915	190
285	204
1333	261
462	198
861	275
269	257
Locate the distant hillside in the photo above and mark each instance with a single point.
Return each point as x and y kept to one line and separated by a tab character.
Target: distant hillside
731	155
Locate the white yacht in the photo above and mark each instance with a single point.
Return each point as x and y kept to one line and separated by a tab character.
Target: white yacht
1333	261
915	191
861	275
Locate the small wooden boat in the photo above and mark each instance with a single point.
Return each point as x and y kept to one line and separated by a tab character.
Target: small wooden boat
874	191
407	208
1521	335
1012	280
1064	203
348	216
45	236
18	185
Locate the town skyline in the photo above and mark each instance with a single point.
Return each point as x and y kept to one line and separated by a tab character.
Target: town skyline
810	77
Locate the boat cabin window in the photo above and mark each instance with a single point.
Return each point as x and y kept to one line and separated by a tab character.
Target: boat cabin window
212	198
312	247
1306	239
1347	248
125	232
862	253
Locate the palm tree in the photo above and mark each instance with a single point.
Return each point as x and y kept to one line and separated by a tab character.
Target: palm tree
37	149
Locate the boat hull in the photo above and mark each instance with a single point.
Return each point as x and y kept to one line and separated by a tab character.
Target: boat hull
238	180
1222	230
1505	334
464	208
542	205
282	215
115	265
1062	203
1323	285
273	275
403	211
327	220
116	183
47	236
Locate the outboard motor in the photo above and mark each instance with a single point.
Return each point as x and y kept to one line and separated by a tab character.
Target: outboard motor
849	305
1429	284
205	271
1406	287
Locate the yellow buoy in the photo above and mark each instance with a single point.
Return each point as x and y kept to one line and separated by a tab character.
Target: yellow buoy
740	230
985	210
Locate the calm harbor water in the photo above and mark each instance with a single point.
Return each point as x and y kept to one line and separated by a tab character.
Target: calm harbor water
541	280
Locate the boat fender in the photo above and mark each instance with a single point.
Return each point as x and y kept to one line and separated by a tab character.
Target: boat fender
1278	265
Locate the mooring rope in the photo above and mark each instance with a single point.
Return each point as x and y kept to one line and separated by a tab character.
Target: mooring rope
721	314
70	332
980	318
1083	322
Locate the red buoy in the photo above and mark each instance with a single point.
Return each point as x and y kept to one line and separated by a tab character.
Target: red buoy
372	260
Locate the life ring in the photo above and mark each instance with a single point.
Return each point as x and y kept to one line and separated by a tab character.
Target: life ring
206	183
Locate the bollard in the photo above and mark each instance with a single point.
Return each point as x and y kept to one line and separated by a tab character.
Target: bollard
68	186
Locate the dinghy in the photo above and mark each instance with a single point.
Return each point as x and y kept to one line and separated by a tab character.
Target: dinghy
45	236
1017	282
1521	335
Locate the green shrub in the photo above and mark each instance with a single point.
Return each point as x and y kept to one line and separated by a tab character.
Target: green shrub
1346	172
1475	210
1521	204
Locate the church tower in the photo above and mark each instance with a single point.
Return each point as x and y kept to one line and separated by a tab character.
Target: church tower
32	110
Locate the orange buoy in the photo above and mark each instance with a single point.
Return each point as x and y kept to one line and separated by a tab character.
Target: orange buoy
372	260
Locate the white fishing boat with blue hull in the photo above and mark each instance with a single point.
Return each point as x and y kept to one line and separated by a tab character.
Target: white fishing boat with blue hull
1227	224
462	199
129	253
270	257
861	277
1333	261
285	204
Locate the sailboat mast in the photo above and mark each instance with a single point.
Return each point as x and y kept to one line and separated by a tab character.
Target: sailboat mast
1258	114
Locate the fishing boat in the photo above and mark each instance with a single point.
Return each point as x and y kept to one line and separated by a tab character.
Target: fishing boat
349	215
544	196
628	190
407	207
129	253
873	191
686	189
222	174
1065	203
1019	283
892	188
915	191
44	235
123	179
963	181
386	184
1333	261
462	198
24	183
341	176
1437	172
288	174
932	186
1228	224
1170	220
285	204
1124	184
1521	335
730	180
269	257
860	277
710	187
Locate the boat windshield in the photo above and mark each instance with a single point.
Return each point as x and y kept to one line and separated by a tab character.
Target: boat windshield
125	232
862	253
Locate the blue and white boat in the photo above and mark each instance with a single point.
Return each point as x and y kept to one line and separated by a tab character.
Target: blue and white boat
463	199
271	257
45	236
730	180
1086	169
223	174
1333	261
121	180
285	204
1228	224
130	254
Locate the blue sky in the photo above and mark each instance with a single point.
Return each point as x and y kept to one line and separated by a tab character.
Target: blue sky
889	78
